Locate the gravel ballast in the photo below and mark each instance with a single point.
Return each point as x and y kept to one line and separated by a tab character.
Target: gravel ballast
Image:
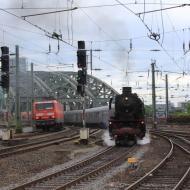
21	168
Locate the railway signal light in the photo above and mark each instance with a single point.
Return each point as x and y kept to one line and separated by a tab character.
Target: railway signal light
5	59
81	62
80	90
81	55
81	78
5	67
5	81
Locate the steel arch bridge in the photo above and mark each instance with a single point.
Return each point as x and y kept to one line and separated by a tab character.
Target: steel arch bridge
62	86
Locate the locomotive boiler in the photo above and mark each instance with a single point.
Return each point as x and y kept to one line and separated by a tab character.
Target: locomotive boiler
127	121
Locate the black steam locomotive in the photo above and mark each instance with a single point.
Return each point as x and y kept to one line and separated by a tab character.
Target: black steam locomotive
128	120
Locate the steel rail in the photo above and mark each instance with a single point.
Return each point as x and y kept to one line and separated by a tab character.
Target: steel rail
67	169
35	143
170	132
136	183
184	177
92	173
178	136
186	173
35	146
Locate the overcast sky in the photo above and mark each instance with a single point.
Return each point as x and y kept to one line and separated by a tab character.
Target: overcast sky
107	26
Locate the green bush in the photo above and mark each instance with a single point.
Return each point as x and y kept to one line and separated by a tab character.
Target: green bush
180	118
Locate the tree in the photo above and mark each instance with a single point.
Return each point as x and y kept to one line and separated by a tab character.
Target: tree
148	110
188	107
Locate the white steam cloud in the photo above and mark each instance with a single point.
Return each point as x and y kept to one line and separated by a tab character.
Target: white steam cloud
145	140
107	139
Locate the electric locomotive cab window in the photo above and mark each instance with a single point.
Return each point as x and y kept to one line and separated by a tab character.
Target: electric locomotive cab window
44	106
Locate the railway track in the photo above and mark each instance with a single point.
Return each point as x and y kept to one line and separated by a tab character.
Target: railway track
40	143
172	172
23	142
82	171
39	136
185	134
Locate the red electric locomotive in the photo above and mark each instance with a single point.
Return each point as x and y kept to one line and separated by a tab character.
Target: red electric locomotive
48	114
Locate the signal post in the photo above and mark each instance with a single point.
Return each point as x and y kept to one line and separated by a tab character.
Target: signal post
5	85
5	77
81	79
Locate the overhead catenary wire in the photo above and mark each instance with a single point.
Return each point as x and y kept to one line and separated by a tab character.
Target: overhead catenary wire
94	22
44	52
100	41
49	33
163	31
52	12
68	29
74	50
90	6
69	44
72	32
163	9
144	9
35	25
155	36
174	30
108	63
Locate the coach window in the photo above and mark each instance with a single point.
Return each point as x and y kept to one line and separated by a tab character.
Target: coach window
45	106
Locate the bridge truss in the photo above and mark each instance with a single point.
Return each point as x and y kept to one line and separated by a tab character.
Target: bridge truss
62	86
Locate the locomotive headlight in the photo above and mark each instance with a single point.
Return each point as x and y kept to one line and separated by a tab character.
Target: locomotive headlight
39	114
126	98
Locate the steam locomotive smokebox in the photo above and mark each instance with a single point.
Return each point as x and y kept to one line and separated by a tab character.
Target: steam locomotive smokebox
84	135
127	90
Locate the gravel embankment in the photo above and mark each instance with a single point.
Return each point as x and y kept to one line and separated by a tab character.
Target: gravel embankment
32	165
25	167
120	177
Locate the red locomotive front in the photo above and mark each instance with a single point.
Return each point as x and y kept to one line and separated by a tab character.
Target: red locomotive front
48	114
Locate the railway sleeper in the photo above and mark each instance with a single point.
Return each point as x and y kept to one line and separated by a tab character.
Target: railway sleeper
155	186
